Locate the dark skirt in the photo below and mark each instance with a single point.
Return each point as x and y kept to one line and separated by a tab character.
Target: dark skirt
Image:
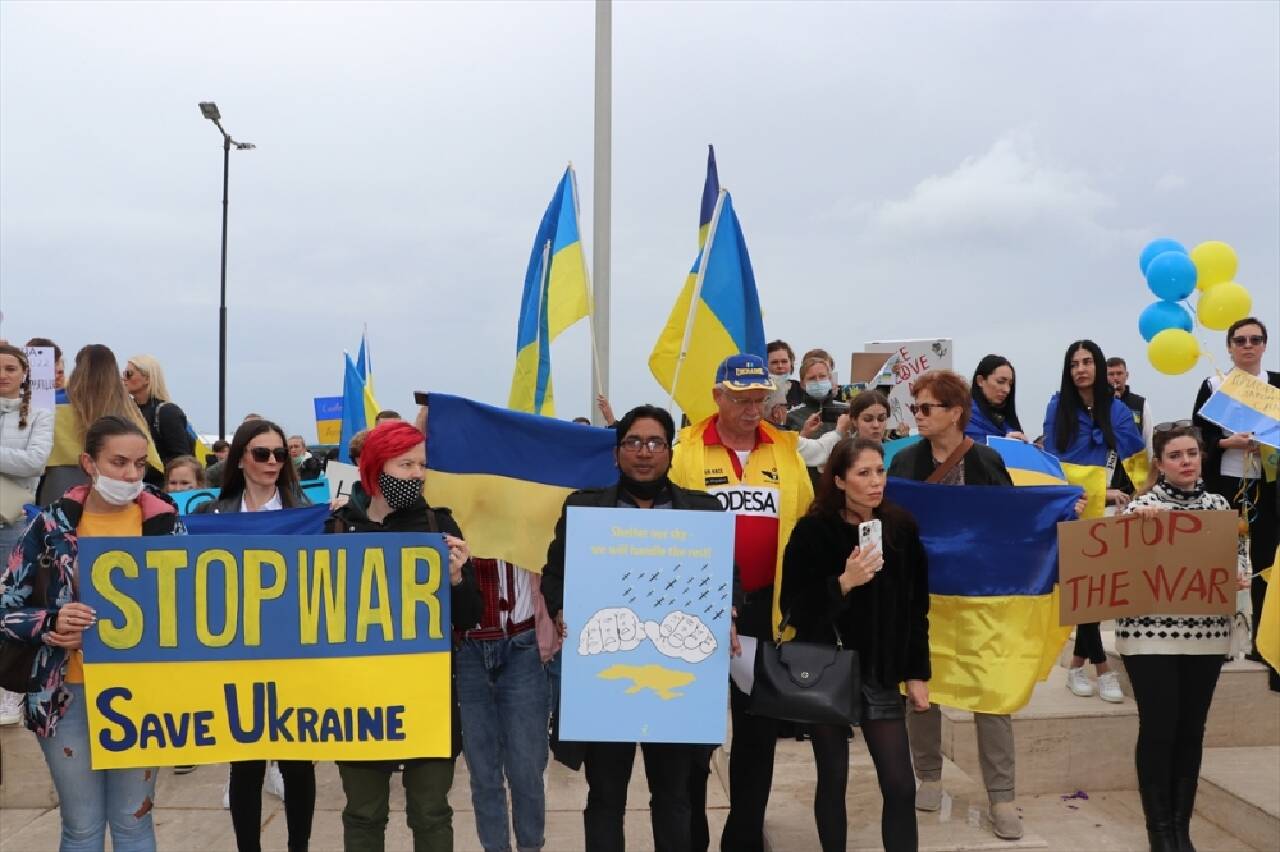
881	702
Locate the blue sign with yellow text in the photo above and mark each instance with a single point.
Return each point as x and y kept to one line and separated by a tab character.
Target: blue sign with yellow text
249	647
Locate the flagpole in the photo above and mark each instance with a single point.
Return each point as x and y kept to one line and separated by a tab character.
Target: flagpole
591	307
695	297
602	200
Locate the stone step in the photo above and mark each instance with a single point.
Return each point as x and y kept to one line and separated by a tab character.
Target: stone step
1240	791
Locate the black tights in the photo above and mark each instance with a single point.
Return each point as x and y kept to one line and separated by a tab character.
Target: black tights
246	802
1173	693
887	741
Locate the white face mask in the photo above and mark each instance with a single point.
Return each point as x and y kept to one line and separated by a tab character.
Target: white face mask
117	492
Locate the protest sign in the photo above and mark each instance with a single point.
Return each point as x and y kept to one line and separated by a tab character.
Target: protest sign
316	490
908	361
328	419
41	361
1245	403
1174	563
218	648
341	478
647	605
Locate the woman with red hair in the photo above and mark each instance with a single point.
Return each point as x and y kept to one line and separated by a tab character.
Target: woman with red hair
393	466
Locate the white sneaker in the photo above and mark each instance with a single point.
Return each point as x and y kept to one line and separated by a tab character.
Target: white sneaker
10	717
10	707
1109	688
274	783
1078	682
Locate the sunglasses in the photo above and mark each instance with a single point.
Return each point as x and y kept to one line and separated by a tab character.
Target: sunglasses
262	455
927	408
1250	339
1173	425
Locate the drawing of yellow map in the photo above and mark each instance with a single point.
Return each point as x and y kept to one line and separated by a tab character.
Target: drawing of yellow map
663	682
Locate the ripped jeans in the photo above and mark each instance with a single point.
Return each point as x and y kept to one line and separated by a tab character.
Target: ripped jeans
93	799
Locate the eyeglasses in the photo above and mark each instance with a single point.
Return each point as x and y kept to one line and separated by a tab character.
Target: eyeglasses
633	445
1174	425
1250	339
927	408
746	401
262	455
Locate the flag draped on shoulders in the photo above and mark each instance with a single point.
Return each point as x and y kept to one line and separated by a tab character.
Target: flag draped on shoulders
717	314
993	598
505	474
1085	461
555	297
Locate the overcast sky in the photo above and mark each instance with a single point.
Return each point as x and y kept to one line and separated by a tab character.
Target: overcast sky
986	172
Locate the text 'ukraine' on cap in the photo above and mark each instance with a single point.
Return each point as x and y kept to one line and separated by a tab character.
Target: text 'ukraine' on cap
744	372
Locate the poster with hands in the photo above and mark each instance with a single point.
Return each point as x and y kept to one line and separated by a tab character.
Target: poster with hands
647	608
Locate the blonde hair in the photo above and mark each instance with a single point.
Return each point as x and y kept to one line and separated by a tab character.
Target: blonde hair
95	390
815	356
150	368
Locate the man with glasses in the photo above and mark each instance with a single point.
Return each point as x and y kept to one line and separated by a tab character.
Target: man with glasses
677	772
755	471
1235	465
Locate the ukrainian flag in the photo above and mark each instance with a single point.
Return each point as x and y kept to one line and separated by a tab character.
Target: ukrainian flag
359	409
1269	623
198	447
364	360
1028	464
1085	462
710	192
505	474
1245	403
717	314
555	297
993	601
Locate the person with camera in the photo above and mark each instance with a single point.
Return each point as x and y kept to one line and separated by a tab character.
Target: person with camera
817	379
839	592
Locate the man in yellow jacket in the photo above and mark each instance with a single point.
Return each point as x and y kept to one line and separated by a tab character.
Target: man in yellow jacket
756	473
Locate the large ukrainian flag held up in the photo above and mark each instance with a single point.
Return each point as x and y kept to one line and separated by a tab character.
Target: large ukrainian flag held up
717	314
555	297
993	601
505	474
359	408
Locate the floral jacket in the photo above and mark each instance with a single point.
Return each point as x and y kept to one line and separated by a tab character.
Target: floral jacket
52	536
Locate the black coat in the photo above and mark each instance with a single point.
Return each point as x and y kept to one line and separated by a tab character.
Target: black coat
1212	433
886	620
982	465
465	604
168	426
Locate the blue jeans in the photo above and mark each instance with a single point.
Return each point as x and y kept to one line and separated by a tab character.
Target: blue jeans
92	799
502	692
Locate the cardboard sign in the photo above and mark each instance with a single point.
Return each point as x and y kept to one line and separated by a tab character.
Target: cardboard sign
41	361
328	419
251	647
908	360
1181	563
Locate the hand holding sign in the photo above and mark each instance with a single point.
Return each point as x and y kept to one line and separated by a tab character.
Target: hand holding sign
682	636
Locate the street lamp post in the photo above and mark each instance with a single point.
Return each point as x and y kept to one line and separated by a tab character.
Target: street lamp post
210	111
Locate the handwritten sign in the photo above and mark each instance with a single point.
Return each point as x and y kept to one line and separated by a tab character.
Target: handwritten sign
42	363
647	604
908	360
217	648
1174	563
1245	403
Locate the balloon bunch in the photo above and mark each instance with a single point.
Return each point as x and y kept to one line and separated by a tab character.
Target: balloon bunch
1173	274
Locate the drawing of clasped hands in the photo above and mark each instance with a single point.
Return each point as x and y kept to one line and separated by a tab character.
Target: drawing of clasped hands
680	634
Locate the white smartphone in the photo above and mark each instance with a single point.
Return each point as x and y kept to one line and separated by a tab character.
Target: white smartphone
871	534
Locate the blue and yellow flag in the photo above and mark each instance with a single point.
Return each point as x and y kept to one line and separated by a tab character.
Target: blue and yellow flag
329	418
1245	403
710	192
1085	461
1028	464
364	360
359	409
199	448
555	297
505	474
717	314
993	599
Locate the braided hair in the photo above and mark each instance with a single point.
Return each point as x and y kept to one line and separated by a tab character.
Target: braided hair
24	408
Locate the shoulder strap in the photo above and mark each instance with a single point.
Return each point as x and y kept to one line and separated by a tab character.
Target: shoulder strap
952	460
432	525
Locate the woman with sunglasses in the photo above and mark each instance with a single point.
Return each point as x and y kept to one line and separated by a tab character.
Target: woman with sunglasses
1233	462
1173	661
144	380
1091	432
994	411
945	456
259	477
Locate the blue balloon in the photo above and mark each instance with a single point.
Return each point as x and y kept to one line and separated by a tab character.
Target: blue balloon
1171	276
1156	248
1159	316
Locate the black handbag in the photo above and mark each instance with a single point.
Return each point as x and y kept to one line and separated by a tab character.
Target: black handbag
17	659
807	682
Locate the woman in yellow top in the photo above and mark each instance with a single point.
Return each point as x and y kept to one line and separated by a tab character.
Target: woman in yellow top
117	503
93	391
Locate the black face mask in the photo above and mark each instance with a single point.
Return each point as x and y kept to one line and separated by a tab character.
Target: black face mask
648	490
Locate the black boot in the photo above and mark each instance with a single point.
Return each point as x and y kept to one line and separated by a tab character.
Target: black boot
1184	803
1158	810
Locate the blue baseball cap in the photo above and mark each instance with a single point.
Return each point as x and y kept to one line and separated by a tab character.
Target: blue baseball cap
743	372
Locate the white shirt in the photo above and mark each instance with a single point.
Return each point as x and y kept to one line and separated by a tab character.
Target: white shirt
270	505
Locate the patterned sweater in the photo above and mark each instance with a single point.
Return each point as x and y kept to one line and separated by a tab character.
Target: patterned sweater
1176	634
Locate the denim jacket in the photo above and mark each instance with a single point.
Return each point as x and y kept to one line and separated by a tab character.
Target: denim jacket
52	536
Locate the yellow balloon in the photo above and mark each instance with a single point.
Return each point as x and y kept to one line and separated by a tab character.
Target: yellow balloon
1223	305
1215	263
1173	351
